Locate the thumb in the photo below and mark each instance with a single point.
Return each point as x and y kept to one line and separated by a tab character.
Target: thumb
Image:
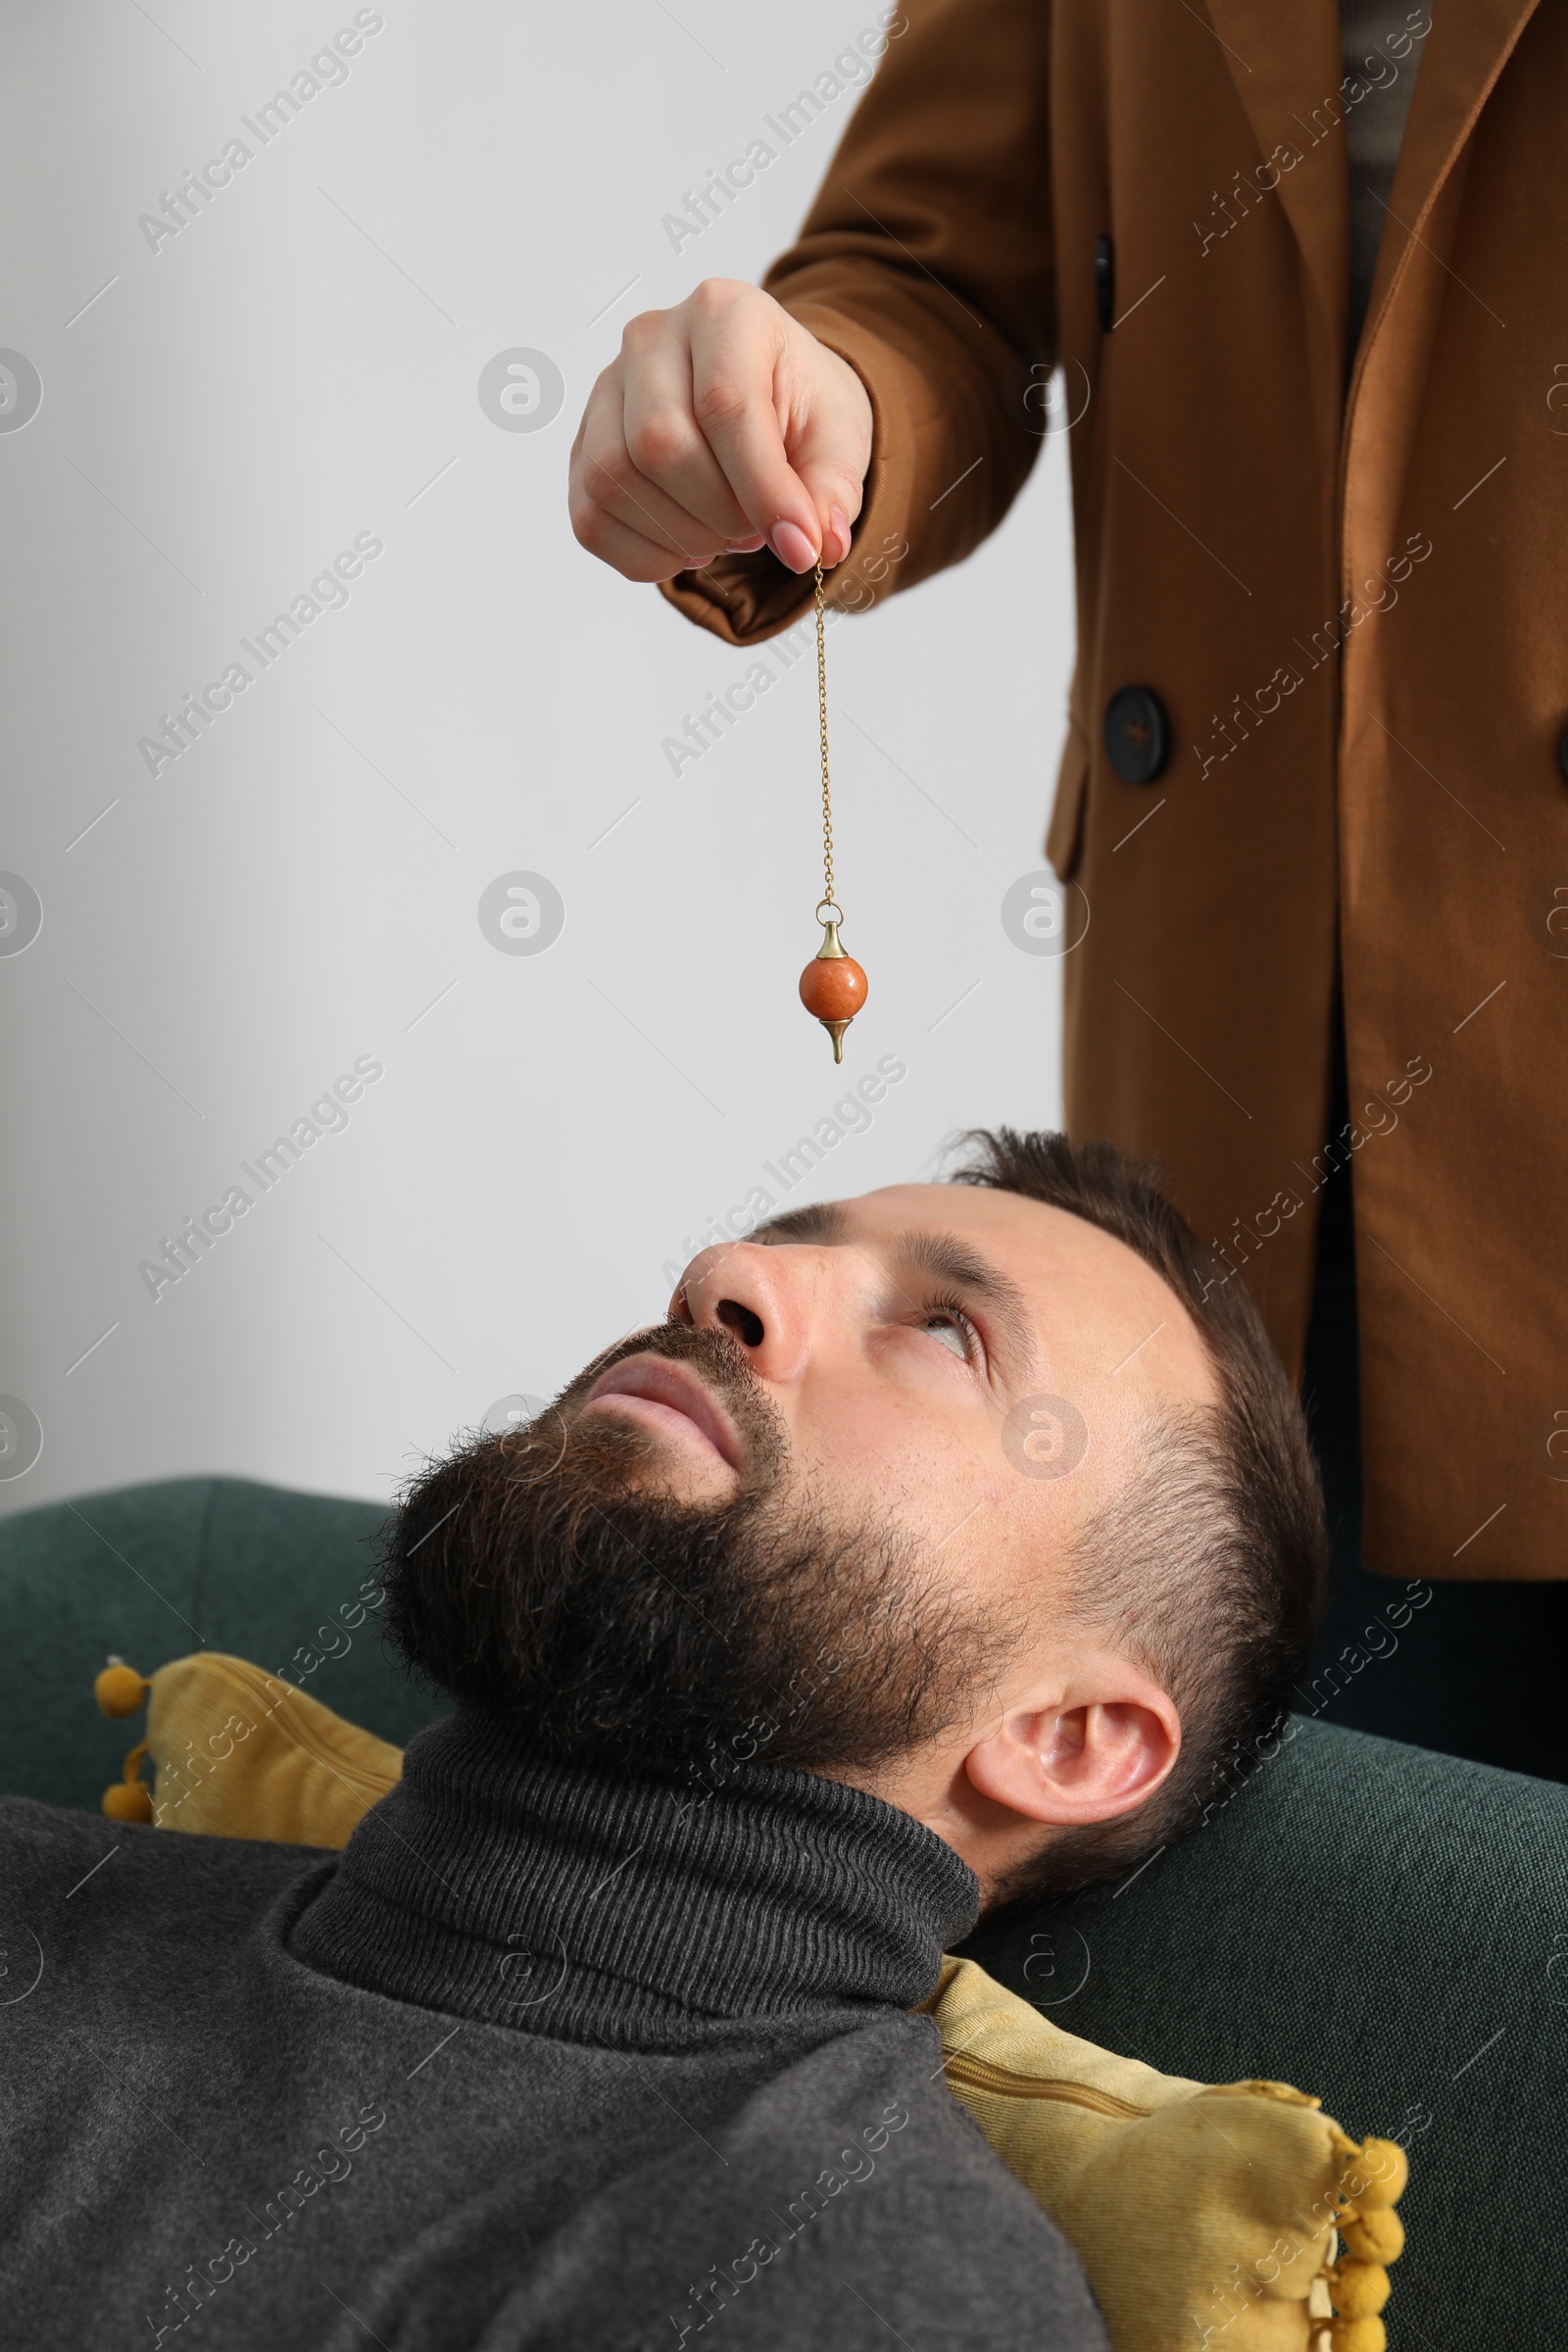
831	470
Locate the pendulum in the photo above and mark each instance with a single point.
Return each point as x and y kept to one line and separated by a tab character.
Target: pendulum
833	986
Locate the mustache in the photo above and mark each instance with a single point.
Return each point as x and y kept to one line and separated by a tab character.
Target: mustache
717	1359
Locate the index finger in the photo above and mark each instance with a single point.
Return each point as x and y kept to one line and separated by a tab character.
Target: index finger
733	375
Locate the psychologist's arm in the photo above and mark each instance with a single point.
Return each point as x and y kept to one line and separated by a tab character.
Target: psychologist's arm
915	301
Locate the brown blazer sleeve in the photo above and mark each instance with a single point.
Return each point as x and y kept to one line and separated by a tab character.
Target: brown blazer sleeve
926	263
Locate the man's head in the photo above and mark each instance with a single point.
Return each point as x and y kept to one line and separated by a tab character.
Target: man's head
980	1495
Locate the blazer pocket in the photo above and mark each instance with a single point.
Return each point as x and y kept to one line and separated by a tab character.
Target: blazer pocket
1064	835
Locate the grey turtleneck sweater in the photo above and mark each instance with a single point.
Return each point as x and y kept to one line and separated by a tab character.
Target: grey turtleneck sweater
545	2058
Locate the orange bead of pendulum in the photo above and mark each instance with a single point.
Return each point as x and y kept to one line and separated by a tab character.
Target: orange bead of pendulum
833	986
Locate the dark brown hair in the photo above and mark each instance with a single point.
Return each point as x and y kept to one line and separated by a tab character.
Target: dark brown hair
1208	1565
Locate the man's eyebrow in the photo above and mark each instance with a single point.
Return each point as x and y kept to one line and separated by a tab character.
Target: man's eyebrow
820	1221
944	1257
939	1256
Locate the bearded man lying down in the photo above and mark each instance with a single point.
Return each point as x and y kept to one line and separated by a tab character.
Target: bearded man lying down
931	1556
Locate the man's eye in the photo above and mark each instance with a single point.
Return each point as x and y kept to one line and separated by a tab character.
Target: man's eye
950	1332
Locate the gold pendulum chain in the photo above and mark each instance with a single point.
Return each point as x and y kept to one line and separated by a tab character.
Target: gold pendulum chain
833	986
828	899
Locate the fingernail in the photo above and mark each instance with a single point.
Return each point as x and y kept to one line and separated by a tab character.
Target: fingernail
841	523
792	546
745	547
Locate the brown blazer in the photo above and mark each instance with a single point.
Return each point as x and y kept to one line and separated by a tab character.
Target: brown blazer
1351	602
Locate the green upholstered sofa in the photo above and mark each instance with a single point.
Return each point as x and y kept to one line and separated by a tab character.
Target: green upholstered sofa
1379	1925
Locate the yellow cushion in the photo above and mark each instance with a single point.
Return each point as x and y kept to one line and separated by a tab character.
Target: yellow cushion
239	1753
1203	2213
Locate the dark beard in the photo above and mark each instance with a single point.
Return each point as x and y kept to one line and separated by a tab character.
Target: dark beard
530	1571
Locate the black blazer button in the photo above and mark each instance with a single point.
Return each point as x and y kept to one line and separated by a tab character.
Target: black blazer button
1104	283
1137	734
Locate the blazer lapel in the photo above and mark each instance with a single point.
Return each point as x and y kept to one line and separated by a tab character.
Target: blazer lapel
1467	48
1285	61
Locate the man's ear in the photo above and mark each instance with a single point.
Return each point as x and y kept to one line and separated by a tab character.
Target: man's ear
1072	1763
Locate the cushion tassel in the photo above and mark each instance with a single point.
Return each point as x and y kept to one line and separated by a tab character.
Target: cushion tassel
130	1798
120	1690
1372	2183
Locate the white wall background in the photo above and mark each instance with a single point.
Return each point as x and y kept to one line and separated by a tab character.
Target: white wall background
301	888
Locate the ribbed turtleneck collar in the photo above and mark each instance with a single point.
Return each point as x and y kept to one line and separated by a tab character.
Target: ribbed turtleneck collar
594	1905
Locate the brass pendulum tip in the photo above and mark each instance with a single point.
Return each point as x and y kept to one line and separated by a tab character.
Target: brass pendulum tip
833	986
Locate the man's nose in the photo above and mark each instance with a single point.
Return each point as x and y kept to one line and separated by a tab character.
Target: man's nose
763	1297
